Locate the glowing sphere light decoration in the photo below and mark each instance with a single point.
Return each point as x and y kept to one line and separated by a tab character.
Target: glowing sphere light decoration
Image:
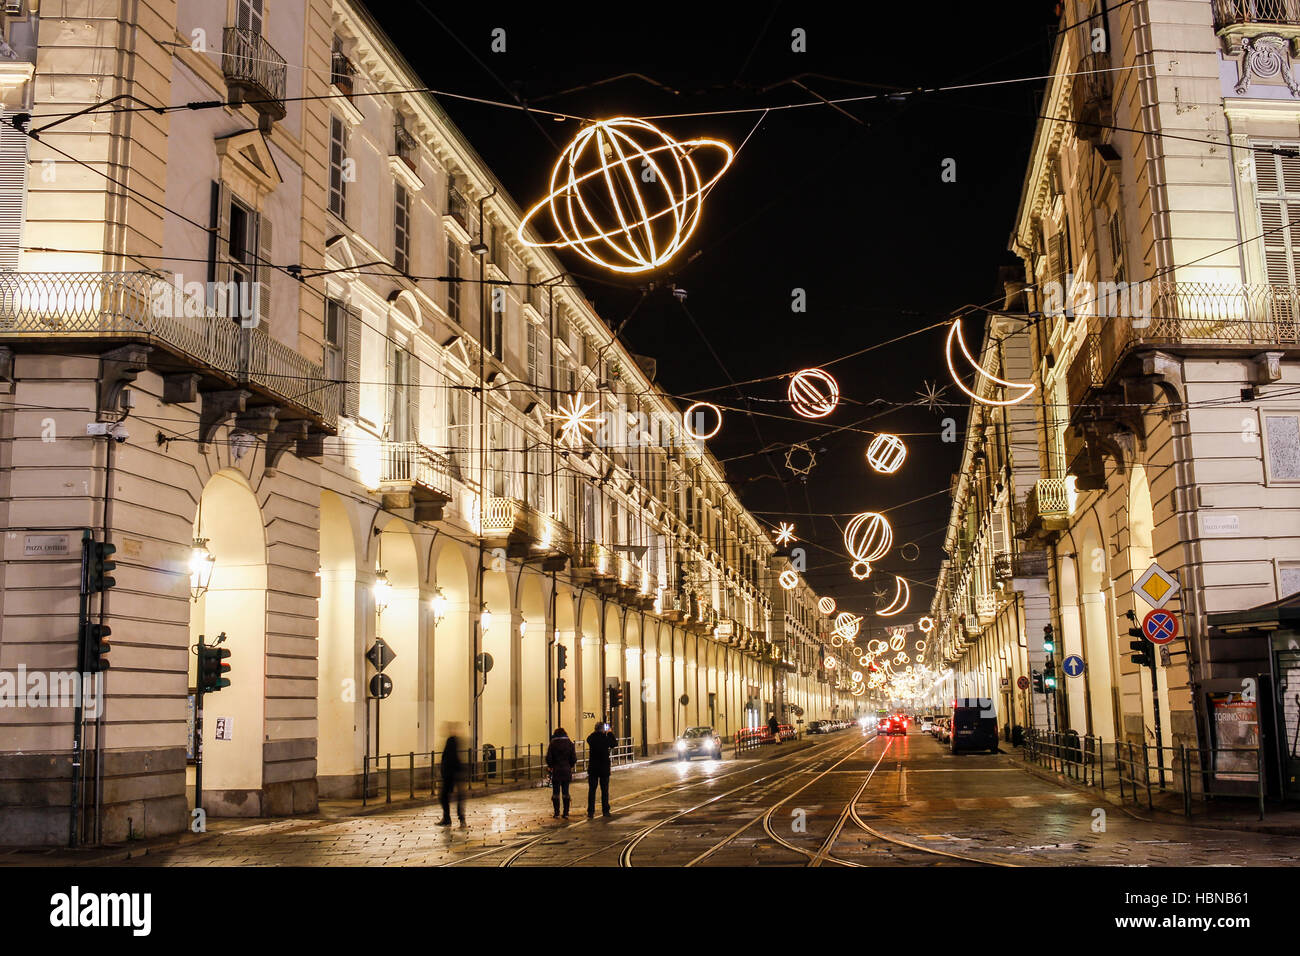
868	538
695	419
789	579
625	195
813	393
826	605
886	453
847	625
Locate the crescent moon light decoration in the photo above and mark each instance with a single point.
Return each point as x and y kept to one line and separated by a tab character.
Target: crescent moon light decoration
902	594
1027	388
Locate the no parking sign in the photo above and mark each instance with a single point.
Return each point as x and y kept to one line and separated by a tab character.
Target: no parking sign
1160	627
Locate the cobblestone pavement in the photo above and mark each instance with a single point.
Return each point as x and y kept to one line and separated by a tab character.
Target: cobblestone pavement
845	800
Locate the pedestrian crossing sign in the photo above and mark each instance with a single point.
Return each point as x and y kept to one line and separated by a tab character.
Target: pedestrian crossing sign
1156	586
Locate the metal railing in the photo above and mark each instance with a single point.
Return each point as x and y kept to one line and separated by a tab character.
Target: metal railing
416	463
1049	497
498	516
404	145
247	59
1232	12
1142	773
1029	564
342	73
150	307
417	771
457	207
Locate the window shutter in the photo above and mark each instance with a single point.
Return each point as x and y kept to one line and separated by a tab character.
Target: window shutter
532	355
352	365
999	532
390	389
13	193
219	242
265	260
412	397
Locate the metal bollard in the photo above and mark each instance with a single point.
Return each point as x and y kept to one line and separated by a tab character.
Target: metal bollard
1187	783
388	778
365	779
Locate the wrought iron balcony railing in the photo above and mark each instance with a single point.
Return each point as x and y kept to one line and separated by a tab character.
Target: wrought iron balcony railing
148	308
1229	13
410	461
404	145
254	71
458	208
498	517
342	74
1091	95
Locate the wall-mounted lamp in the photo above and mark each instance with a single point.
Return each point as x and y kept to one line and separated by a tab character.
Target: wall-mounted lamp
202	561
383	591
439	605
485	618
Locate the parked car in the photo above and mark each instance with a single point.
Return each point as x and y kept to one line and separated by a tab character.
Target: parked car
819	727
974	725
699	742
927	725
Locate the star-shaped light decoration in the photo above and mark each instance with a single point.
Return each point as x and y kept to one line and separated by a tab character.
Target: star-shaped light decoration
576	421
785	533
932	396
804	463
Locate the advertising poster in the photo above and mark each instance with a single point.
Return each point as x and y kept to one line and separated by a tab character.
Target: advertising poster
1236	736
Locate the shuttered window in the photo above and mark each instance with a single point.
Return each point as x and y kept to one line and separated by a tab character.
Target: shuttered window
352	364
453	284
401	228
249	15
458	431
240	259
338	156
533	361
1116	230
13	192
1277	180
403	394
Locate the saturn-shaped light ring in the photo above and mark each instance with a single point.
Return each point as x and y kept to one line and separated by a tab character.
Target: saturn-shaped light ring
902	594
615	166
847	625
696	413
896	642
867	538
826	605
813	393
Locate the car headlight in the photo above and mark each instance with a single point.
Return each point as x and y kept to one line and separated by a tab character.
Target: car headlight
681	745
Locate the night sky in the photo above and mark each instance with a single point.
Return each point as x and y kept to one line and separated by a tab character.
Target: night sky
850	208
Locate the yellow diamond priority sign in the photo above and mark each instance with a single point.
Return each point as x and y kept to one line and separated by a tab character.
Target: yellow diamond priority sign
1156	586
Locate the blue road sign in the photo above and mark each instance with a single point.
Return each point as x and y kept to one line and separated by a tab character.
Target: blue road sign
1073	666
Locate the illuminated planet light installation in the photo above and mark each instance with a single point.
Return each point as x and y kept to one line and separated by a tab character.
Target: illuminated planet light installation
886	453
625	195
813	393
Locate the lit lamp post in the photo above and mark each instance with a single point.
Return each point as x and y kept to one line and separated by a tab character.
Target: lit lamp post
439	605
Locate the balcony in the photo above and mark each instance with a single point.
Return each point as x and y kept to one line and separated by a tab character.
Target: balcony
986	608
1046	508
1234	15
414	476
528	533
405	158
255	73
140	320
1029	564
456	218
1091	96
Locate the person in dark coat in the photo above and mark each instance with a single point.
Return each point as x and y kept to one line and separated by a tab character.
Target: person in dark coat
561	758
453	778
599	746
773	727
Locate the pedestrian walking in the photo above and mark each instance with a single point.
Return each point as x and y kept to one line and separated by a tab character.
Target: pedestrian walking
561	758
773	727
599	746
453	778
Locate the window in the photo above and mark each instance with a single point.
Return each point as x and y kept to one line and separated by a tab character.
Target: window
1278	182
495	328
403	395
458	430
338	159
401	228
239	258
335	342
1282	446
453	285
532	349
1288	578
249	16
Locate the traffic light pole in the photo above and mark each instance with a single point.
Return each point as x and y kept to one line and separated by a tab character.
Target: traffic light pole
78	714
198	730
1155	709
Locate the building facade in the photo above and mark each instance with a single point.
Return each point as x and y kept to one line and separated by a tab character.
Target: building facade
1155	228
281	348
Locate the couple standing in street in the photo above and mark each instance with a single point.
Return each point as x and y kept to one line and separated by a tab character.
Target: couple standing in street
562	757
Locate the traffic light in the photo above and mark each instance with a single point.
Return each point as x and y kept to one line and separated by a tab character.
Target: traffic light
559	688
561	658
1142	655
98	565
94	655
1049	676
1049	639
615	697
1037	677
213	669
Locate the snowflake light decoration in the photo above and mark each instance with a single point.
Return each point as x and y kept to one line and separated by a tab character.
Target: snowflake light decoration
576	421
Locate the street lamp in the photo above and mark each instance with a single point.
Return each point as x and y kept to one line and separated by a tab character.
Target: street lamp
485	618
383	591
202	561
523	628
439	605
